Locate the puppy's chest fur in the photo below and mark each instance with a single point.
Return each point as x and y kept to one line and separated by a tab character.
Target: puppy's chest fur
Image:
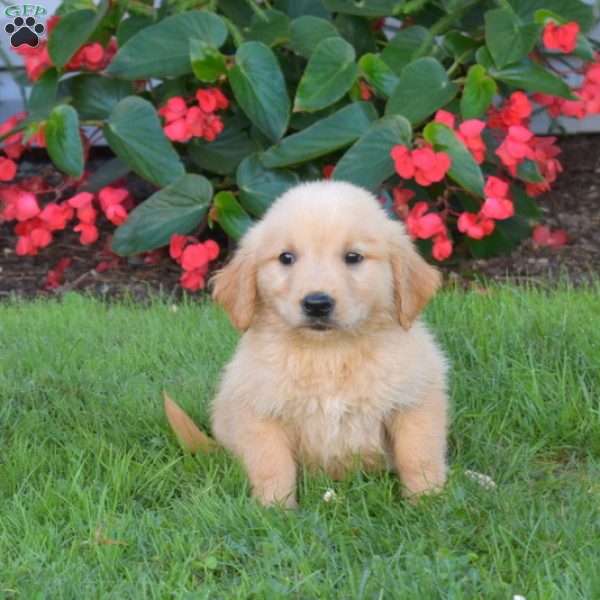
334	406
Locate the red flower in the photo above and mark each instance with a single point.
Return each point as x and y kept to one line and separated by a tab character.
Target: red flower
515	111
88	233
212	248
194	256
424	226
80	200
475	226
192	280
515	148
26	206
442	247
497	204
177	131
176	245
87	214
446	118
543	236
116	214
174	109
561	37
424	164
470	133
8	169
56	216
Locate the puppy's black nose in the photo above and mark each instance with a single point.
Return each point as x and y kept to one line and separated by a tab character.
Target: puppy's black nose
317	304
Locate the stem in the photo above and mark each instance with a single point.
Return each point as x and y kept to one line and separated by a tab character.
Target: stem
457	62
236	34
443	25
258	11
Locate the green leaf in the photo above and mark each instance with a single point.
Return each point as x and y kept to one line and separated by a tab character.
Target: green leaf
260	186
378	74
323	137
583	49
95	96
73	31
423	88
106	174
529	76
43	96
507	38
134	133
232	218
464	170
258	86
362	8
208	64
528	171
478	93
403	46
330	73
525	205
177	208
163	50
130	26
224	154
307	32
299	8
63	140
357	32
459	44
272	30
368	162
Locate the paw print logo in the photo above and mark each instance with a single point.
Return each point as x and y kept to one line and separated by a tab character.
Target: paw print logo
24	31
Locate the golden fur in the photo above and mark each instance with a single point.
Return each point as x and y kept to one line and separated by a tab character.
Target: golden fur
371	389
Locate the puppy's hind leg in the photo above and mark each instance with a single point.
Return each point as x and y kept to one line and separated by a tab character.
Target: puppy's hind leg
265	451
418	437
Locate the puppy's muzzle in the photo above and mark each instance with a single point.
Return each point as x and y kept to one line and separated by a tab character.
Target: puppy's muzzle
317	305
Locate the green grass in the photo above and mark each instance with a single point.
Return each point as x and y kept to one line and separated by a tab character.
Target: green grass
86	456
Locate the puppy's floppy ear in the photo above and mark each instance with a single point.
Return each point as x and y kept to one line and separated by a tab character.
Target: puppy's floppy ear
234	286
415	281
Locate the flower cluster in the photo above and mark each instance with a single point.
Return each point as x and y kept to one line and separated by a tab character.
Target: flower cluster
194	258
469	132
36	226
561	37
423	164
183	122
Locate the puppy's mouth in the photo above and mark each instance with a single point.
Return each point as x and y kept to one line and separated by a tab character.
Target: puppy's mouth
319	325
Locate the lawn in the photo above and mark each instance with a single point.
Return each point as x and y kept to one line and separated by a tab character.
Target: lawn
97	500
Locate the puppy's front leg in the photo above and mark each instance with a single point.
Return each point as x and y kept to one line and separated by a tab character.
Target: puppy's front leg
265	451
418	438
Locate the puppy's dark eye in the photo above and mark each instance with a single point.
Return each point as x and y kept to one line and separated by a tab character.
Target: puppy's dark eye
287	258
353	258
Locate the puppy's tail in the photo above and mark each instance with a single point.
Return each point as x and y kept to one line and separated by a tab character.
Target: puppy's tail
190	438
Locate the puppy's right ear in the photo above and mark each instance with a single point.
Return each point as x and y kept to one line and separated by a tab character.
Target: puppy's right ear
234	286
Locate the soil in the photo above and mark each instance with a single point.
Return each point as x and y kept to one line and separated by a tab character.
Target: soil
573	205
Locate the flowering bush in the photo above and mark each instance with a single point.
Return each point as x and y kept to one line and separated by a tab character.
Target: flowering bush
430	109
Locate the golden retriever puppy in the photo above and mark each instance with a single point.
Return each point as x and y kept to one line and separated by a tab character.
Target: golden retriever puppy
334	368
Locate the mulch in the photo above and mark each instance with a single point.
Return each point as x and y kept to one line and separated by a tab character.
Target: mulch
573	205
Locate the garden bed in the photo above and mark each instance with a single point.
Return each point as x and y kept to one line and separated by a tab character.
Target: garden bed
571	205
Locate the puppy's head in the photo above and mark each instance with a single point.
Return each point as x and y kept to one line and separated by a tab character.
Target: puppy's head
325	258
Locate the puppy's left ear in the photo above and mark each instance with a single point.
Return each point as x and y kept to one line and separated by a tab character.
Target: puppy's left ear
415	281
234	286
